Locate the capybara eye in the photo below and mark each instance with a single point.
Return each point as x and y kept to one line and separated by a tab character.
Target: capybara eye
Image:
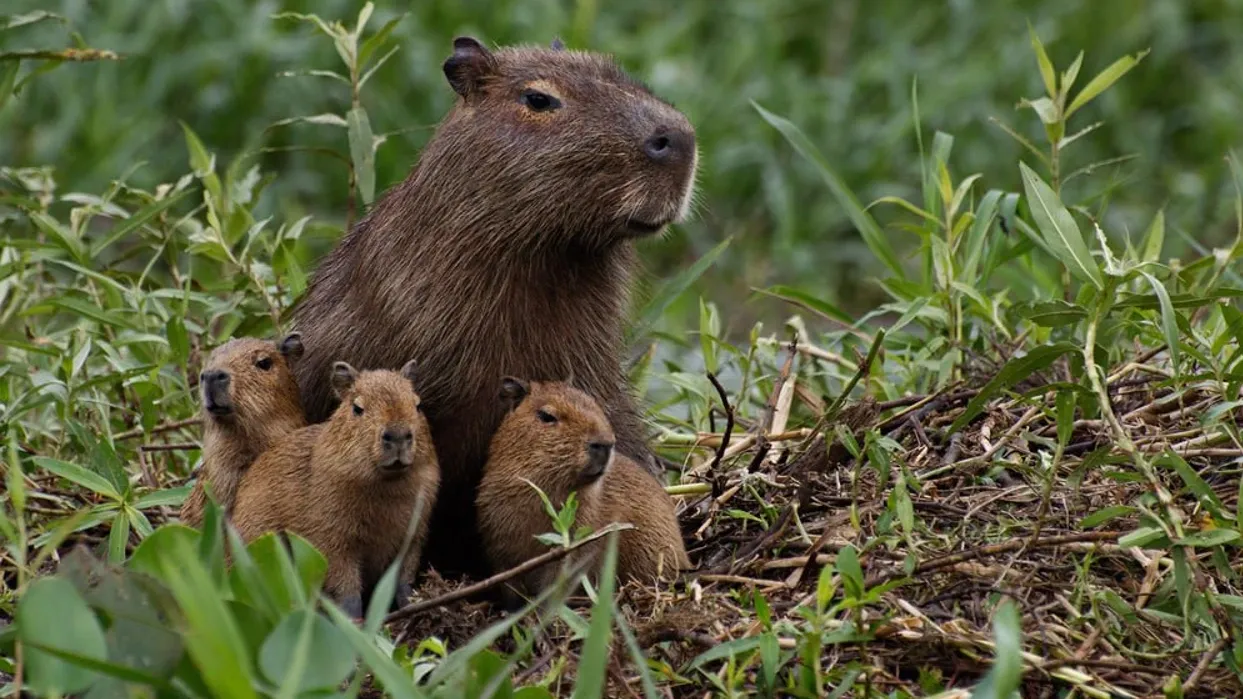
264	363
539	102
358	409
545	416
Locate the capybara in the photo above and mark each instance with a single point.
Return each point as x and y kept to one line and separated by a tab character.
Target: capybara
509	249
249	400
350	485
556	437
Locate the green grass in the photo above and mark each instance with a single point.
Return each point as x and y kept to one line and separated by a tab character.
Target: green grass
1006	460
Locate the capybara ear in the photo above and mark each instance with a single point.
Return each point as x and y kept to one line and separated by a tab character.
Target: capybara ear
513	391
408	371
557	45
343	377
469	65
291	346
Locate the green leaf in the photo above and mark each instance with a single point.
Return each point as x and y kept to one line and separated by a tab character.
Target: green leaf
397	682
1154	238
1045	109
328	657
1013	372
654	309
1197	485
78	475
850	571
1060	232
872	234
728	649
118	537
1104	79
811	303
636	655
52	615
212	636
93	312
136	220
1051	314
1065	416
62	236
327	119
1096	519
1069	77
362	152
1141	537
1046	66
204	165
708	329
1210	538
291	583
1169	319
375	40
594	660
1002	680
899	201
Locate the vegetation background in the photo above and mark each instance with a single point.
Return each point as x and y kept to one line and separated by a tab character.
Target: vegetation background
840	69
1002	452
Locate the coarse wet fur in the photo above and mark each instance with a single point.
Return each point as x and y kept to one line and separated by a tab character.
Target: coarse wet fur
350	485
509	249
249	400
557	437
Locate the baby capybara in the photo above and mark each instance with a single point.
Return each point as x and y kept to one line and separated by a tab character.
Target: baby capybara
350	485
557	437
249	400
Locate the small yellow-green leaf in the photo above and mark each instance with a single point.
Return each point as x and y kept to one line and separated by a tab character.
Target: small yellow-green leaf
899	201
1045	109
961	193
946	185
1046	66
1068	78
1154	238
1104	79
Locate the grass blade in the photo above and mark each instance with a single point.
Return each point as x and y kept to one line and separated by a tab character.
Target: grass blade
1014	371
654	309
873	236
593	664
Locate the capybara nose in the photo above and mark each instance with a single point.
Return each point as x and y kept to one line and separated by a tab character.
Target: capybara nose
598	455
669	145
397	437
215	378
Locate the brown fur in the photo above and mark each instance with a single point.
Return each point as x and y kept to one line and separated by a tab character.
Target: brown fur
556	457
327	483
507	250
243	417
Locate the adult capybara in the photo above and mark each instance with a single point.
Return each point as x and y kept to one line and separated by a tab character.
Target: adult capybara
509	249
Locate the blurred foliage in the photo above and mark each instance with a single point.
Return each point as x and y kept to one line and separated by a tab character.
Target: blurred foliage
842	70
